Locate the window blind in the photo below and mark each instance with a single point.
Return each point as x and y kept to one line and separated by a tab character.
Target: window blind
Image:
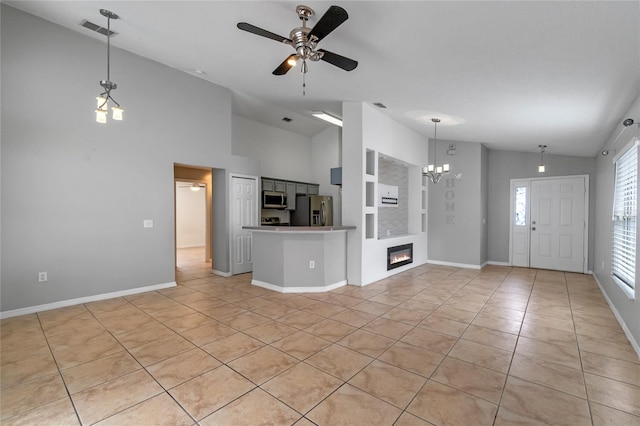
625	211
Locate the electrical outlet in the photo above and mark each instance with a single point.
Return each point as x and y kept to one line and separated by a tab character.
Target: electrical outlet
42	277
312	264
147	223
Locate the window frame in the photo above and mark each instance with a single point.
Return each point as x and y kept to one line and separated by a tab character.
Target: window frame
623	204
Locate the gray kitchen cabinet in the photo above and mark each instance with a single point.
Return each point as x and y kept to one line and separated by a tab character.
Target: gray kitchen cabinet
301	188
291	195
280	186
313	189
267	185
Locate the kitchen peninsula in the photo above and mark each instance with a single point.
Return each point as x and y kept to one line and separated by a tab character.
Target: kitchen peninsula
299	259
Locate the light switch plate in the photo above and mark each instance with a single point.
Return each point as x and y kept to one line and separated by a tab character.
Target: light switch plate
147	223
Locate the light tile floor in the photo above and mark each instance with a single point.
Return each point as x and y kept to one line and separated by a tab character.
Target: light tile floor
433	345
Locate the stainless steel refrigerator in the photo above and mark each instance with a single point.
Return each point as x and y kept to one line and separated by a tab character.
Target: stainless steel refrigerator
313	210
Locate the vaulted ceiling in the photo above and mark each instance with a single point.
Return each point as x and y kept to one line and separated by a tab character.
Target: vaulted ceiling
510	74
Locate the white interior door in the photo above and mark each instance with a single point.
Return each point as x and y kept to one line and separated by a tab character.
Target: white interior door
244	212
558	224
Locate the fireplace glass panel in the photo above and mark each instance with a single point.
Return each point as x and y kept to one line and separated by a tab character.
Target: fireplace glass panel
399	256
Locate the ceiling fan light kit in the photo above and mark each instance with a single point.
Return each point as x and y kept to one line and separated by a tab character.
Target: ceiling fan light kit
305	41
103	98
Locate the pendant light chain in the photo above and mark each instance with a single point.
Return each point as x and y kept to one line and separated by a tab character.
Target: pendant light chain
109	47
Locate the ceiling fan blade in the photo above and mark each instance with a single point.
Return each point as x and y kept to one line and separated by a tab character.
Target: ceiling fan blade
264	33
338	60
285	66
332	18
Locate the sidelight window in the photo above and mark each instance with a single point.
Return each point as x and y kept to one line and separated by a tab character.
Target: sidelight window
625	213
520	218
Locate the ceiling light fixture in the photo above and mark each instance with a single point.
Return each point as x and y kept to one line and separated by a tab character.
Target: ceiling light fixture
433	171
327	117
104	97
541	168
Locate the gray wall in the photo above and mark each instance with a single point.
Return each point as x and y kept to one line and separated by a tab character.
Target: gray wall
281	154
455	207
75	192
220	226
484	203
628	309
507	165
325	152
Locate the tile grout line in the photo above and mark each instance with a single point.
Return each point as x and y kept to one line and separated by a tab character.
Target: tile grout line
515	347
64	383
575	331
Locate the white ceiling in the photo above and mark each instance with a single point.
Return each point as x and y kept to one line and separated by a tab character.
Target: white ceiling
512	74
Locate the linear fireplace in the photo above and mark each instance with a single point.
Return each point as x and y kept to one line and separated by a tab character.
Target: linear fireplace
399	256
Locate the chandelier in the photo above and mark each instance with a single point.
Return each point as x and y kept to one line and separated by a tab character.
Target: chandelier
108	85
433	171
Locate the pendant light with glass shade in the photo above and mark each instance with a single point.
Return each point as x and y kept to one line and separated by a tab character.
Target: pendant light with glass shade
103	98
541	168
433	171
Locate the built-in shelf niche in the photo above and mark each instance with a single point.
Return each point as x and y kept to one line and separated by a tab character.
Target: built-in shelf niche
370	225
370	194
423	207
370	165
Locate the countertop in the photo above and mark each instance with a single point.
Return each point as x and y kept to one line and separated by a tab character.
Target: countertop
285	228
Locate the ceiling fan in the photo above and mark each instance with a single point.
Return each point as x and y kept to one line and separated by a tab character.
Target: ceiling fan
305	40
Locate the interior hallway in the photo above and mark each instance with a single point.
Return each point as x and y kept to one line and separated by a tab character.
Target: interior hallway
433	345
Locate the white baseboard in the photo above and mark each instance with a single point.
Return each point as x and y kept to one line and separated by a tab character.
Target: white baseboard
494	263
634	344
455	265
80	300
280	289
220	273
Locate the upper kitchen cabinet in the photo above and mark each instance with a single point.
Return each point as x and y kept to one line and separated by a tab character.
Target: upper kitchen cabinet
268	185
291	195
301	188
290	188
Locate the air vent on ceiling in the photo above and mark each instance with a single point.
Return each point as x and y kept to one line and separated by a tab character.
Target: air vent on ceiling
287	119
379	104
97	28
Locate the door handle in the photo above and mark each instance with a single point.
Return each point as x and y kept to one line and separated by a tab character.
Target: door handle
322	213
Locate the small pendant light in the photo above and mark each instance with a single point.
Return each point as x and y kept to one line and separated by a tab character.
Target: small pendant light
102	109
541	168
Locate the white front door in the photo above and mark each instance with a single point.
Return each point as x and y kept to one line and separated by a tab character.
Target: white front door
244	212
549	223
558	224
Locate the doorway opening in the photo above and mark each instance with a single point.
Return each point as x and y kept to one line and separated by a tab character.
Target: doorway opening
192	214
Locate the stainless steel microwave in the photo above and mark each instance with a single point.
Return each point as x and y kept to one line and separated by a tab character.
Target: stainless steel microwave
274	200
